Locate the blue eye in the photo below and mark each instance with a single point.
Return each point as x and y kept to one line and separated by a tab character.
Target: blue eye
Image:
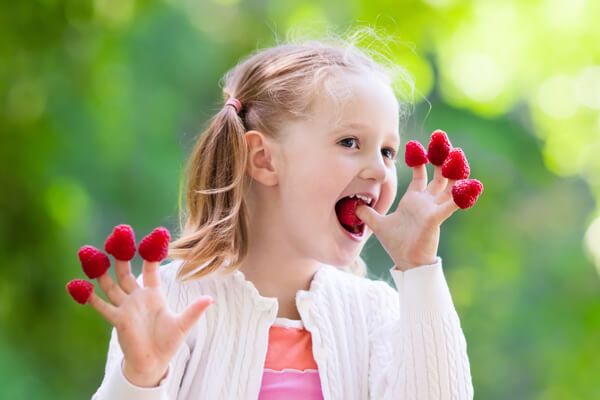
351	138
390	151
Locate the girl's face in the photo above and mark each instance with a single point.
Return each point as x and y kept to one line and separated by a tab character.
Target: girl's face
325	158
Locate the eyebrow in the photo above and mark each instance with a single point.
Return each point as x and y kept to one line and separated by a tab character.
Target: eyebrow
360	127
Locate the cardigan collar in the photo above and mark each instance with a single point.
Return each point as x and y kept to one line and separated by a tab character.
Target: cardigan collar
316	285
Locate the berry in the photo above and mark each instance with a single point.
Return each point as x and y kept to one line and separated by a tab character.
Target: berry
94	262
415	154
466	191
155	246
121	243
439	147
346	211
456	165
80	290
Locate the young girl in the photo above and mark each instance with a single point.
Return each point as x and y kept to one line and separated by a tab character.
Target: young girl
294	317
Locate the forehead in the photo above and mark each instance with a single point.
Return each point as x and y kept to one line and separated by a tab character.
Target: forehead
359	102
366	103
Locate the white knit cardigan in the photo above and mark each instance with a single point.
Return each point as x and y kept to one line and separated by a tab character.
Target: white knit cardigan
369	340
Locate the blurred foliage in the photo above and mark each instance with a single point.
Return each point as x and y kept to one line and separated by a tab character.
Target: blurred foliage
101	100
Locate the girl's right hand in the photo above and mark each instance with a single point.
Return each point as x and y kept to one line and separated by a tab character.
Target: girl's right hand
148	332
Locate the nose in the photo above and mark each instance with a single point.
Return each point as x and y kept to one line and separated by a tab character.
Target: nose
375	168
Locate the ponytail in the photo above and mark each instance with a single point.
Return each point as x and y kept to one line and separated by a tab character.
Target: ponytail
215	230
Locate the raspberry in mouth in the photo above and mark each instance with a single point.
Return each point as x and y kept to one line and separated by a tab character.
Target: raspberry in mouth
345	210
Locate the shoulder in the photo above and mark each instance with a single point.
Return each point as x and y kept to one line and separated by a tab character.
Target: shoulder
377	297
368	286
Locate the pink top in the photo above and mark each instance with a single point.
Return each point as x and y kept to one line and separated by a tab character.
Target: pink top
290	370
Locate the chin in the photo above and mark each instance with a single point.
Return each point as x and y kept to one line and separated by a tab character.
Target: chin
341	260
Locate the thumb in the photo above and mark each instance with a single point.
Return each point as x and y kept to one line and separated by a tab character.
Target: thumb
190	315
369	216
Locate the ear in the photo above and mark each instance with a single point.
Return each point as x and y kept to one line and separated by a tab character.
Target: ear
260	161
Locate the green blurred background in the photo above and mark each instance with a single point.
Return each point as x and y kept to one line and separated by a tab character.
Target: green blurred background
101	101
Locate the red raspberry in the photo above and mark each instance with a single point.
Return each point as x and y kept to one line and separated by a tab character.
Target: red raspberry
346	211
415	154
94	262
155	246
80	290
439	147
121	243
456	165
466	191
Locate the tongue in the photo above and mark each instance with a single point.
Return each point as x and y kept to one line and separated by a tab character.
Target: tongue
346	213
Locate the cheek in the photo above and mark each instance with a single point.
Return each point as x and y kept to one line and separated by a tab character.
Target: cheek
388	193
310	190
321	177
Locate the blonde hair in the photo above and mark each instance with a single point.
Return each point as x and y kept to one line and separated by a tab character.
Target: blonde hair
274	85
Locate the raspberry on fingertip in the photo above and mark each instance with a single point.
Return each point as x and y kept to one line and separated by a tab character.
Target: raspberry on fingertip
465	192
121	243
415	154
93	261
155	246
80	290
439	147
456	165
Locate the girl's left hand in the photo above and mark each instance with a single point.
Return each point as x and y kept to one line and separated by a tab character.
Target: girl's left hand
411	233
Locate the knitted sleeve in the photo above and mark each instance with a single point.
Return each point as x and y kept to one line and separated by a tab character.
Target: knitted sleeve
417	346
115	386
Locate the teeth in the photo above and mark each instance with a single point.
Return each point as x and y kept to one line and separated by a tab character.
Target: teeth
366	199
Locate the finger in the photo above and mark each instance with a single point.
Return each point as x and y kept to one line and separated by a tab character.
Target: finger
438	183
419	179
112	290
108	311
150	273
445	194
369	216
447	208
192	313
125	277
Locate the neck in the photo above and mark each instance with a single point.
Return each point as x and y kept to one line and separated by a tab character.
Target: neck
273	265
275	274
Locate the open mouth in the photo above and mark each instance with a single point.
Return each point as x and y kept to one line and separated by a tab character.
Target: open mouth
345	209
356	229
